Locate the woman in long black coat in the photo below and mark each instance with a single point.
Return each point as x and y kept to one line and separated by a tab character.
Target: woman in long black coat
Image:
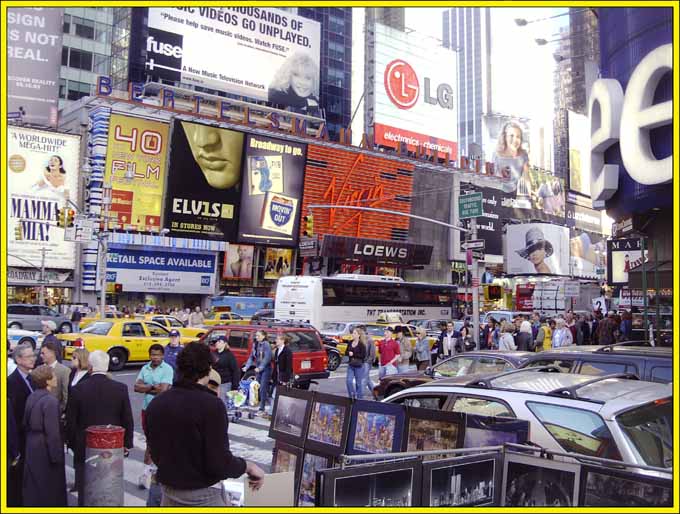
44	482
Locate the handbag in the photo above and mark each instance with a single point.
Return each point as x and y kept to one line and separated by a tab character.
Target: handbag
356	362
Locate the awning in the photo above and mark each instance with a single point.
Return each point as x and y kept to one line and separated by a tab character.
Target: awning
665	270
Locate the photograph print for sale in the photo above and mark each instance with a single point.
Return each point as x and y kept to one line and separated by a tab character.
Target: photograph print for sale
607	488
290	415
467	484
326	425
536	482
386	489
374	432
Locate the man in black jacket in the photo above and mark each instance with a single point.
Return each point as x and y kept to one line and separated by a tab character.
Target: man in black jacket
18	390
193	458
283	364
96	401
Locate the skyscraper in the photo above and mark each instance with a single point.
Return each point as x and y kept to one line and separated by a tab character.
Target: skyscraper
467	30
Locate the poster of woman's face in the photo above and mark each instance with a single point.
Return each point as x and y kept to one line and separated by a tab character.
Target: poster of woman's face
537	249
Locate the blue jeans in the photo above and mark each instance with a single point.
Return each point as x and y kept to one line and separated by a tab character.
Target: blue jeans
389	369
155	495
263	378
402	368
367	378
355	382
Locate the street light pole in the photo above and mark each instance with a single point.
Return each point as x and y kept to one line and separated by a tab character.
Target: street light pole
103	248
41	298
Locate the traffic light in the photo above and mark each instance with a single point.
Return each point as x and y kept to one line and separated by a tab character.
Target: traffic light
18	232
61	217
70	216
309	225
118	288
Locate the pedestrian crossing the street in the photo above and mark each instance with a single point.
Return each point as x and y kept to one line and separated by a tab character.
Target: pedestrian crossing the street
247	439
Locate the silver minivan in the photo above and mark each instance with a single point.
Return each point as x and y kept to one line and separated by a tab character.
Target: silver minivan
30	317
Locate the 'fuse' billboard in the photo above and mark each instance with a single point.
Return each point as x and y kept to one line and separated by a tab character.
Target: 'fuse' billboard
43	174
273	173
266	54
136	154
415	93
204	179
537	249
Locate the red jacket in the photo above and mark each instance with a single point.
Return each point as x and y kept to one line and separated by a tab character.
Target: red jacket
388	349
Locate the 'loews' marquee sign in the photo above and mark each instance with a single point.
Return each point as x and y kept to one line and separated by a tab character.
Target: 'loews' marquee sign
375	250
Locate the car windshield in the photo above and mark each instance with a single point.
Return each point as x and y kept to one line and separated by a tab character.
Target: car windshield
332	326
100	328
376	331
649	428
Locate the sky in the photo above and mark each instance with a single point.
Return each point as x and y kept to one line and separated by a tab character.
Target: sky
522	71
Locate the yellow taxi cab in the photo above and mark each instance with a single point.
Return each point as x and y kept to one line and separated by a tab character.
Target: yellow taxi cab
125	340
96	316
225	318
376	331
171	322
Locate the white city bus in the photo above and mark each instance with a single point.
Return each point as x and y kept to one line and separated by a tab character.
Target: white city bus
347	297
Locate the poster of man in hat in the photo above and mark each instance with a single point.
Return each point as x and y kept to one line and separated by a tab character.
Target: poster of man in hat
537	249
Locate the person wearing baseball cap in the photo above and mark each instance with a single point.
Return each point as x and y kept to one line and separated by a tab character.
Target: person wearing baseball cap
49	328
173	349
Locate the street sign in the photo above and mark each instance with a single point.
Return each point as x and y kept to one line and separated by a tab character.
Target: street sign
473	244
478	255
572	290
469	206
309	247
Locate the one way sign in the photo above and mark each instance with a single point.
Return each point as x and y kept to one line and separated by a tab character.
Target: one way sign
473	244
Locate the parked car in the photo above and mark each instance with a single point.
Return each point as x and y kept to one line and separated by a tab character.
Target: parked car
17	336
332	352
310	359
468	363
654	364
500	316
225	318
125	340
609	416
338	330
30	317
171	322
263	315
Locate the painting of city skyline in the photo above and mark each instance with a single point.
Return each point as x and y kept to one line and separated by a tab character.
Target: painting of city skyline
290	416
376	427
468	484
483	431
328	424
608	488
433	430
394	484
536	482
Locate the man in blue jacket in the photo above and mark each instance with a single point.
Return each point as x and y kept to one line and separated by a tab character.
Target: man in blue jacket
261	357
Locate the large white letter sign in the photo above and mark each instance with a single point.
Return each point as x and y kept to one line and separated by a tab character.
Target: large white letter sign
604	111
639	116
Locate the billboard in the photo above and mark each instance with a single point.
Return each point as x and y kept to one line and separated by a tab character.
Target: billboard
532	193
273	174
588	254
34	41
537	249
203	183
579	153
282	52
622	256
135	163
43	174
341	177
278	263
416	98
238	262
161	271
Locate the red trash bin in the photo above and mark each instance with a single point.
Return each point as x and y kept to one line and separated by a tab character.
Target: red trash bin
103	473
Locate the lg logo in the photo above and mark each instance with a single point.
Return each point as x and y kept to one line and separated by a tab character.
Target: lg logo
403	88
401	84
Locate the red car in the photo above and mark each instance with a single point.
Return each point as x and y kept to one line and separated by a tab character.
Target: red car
310	360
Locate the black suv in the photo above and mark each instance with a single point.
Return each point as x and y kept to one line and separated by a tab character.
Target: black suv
653	364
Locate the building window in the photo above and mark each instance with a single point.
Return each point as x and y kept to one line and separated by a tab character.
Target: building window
64	56
77	90
102	33
84	28
80	59
67	24
62	88
101	64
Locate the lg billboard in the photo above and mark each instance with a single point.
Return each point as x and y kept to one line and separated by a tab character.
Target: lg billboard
415	93
265	54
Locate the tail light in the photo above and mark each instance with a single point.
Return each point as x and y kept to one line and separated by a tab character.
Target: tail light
79	343
325	361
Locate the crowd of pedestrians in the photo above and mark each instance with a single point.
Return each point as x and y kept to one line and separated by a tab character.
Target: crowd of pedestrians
51	406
